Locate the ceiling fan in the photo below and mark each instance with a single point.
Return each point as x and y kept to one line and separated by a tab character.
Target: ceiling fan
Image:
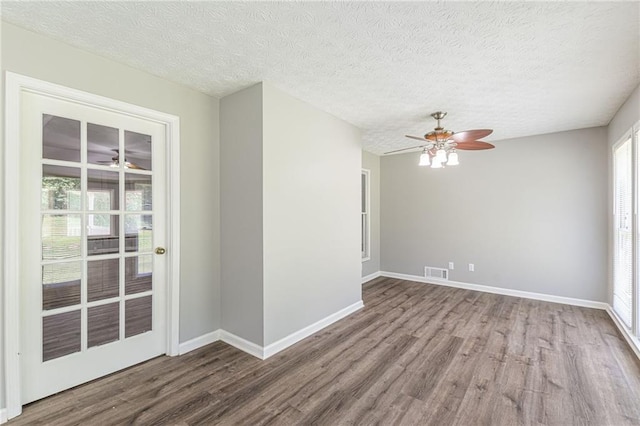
115	162
440	145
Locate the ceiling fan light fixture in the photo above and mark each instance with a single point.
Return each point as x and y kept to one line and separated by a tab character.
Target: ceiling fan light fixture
442	145
424	158
453	159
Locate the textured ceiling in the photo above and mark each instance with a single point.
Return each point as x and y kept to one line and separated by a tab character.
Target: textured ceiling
520	68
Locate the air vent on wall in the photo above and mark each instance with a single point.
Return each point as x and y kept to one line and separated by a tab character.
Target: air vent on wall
439	273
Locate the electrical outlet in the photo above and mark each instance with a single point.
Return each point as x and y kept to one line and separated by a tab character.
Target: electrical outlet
450	265
472	267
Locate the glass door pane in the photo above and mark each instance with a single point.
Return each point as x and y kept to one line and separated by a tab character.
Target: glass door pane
60	138
97	287
138	229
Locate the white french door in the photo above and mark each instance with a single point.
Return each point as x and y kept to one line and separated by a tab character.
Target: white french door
92	232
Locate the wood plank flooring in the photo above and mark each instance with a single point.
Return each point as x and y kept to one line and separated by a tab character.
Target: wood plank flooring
417	354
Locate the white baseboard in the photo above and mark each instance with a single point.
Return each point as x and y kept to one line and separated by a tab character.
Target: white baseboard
230	338
499	290
3	415
293	338
199	342
370	277
630	338
242	344
633	342
265	352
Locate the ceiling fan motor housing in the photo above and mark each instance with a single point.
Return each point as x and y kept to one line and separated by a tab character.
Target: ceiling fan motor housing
439	135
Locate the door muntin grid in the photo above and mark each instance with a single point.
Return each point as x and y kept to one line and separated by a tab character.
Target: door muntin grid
96	263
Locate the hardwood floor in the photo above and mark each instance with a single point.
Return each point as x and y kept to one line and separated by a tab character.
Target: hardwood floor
416	354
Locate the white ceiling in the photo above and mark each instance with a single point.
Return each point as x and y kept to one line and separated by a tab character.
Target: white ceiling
520	68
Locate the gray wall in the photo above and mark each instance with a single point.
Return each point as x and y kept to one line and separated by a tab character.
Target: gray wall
627	116
530	214
371	162
36	56
241	212
312	163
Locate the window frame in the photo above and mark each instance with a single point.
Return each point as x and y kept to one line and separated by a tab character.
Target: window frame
634	135
365	216
635	287
627	137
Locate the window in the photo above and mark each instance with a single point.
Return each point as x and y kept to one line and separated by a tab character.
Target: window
623	233
626	230
364	242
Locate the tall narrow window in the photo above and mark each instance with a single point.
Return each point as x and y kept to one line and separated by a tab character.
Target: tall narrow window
634	291
623	231
365	244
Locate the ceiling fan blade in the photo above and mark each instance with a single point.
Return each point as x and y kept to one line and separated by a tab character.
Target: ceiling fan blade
474	145
411	147
471	135
418	138
135	166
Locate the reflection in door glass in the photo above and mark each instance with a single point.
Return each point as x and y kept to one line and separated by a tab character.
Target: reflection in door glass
137	313
60	236
60	188
138	192
60	138
103	324
103	145
138	149
102	190
60	335
61	284
139	233
138	274
103	234
102	279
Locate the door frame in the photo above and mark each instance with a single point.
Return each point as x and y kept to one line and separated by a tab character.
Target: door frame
15	85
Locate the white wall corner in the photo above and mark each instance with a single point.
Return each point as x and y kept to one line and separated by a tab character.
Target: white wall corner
265	352
3	415
242	344
293	338
370	277
198	342
633	342
499	290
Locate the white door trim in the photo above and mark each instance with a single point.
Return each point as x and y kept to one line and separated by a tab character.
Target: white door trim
15	84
